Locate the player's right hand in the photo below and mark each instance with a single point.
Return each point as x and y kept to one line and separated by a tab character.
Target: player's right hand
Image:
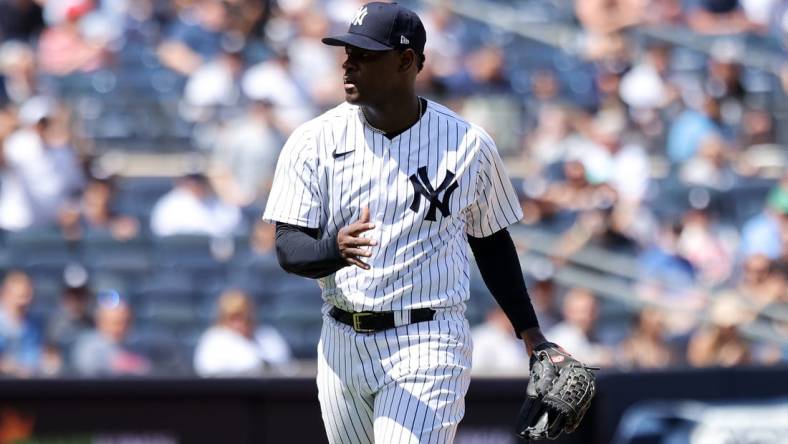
351	244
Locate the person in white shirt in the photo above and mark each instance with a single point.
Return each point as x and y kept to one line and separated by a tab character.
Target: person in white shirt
39	169
496	350
233	347
192	207
274	80
244	153
575	332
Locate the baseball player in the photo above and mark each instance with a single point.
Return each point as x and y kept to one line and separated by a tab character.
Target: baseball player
378	199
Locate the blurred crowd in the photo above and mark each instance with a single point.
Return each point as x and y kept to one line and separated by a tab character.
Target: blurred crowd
91	335
623	145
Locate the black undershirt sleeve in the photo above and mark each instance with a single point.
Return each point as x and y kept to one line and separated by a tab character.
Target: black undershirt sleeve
499	265
301	252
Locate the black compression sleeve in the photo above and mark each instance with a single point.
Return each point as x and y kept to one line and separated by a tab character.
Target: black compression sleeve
499	265
301	252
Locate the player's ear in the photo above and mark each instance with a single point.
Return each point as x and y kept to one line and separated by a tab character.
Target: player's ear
407	59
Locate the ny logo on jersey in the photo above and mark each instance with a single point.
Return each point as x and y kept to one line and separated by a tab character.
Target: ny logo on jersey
358	20
423	187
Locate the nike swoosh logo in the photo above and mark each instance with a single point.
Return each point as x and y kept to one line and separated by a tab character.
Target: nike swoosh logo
337	155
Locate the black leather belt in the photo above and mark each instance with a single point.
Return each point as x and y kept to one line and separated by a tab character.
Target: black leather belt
373	321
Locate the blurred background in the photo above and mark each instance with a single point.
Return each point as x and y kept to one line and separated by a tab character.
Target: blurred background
138	139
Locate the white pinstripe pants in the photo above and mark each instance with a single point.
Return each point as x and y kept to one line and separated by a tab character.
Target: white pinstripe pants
405	385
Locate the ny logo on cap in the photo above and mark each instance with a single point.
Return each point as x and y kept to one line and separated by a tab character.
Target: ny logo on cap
358	20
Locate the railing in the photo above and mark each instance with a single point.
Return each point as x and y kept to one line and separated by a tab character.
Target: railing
569	38
614	277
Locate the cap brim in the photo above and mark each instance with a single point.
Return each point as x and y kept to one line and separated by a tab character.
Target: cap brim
357	40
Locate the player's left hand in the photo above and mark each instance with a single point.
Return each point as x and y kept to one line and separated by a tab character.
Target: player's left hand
559	393
352	244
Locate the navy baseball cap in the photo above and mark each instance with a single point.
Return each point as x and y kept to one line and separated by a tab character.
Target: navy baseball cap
381	26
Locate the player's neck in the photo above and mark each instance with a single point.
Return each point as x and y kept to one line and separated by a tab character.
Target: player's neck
394	116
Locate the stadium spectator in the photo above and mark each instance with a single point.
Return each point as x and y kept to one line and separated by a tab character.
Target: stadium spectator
648	84
761	12
544	92
191	207
543	293
443	64
13	198
445	46
42	168
608	159
549	141
604	20
665	276
71	319
607	86
761	283
196	37
719	343
65	48
263	239
234	346
690	128
18	80
212	86
244	155
775	316
702	244
313	63
716	17
93	213
274	81
646	346
609	16
249	17
105	351
20	20
709	167
52	362
663	262
483	73
605	228
497	351
576	331
757	127
724	81
20	336
763	233
575	192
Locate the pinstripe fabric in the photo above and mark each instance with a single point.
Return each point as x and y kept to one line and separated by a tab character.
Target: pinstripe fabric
403	385
426	189
334	165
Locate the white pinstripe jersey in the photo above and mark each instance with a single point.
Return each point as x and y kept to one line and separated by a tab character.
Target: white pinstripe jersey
425	188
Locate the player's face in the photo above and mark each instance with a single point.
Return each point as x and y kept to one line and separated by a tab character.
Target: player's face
368	77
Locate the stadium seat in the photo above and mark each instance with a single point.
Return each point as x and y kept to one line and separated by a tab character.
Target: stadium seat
187	252
168	280
162	345
301	337
102	251
136	196
39	247
169	306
